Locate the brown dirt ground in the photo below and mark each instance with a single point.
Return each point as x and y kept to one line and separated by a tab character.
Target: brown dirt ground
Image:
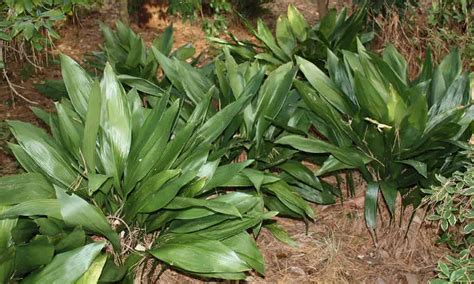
337	247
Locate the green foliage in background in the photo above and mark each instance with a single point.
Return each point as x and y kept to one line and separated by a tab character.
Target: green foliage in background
399	133
452	206
128	55
218	9
33	22
294	36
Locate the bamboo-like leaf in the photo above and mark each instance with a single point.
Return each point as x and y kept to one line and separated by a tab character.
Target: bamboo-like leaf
324	85
6	226
420	167
92	275
247	250
216	206
116	126
40	207
23	187
91	128
45	153
199	255
78	84
77	212
371	196
67	267
284	36
298	23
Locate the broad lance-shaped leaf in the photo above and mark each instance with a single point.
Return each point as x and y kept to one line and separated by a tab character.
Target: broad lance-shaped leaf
67	267
298	23
325	87
6	226
91	128
348	156
371	197
149	144
45	152
219	122
78	84
92	275
246	248
284	36
265	35
23	187
142	85
71	130
37	207
116	134
196	254
274	93
37	252
420	167
77	212
216	206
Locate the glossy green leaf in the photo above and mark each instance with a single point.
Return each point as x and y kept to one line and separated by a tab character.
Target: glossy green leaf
77	212
23	187
199	255
92	275
67	267
78	84
371	197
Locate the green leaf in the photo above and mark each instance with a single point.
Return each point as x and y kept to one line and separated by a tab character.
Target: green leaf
77	212
23	187
164	195
34	254
390	193
45	153
371	196
141	85
67	267
92	275
199	255
468	229
325	87
290	198
115	125
246	248
45	207
78	84
298	24
164	42
420	167
280	233
396	62
284	36
6	226
91	128
216	206
348	156
265	35
273	96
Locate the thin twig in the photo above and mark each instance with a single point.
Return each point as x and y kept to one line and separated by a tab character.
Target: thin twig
14	91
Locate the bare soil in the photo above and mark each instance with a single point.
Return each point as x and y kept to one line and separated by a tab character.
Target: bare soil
336	248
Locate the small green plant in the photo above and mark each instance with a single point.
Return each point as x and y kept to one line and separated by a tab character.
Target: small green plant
295	37
452	206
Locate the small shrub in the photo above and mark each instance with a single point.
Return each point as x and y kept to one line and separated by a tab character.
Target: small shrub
452	207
